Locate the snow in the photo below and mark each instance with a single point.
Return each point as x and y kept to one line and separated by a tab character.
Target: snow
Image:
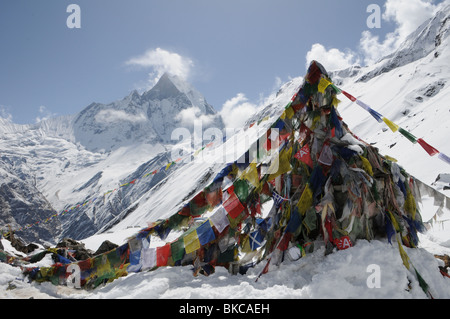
368	270
340	275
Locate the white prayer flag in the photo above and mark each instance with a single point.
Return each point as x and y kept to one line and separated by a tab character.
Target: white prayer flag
148	258
219	219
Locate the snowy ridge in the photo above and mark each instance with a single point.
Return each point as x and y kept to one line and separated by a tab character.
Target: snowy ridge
74	159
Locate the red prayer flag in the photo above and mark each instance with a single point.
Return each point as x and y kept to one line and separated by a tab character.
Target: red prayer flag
314	73
304	155
214	198
427	147
233	206
284	243
351	97
162	255
343	243
305	132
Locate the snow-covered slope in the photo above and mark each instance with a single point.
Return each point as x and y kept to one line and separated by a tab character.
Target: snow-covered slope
76	159
412	94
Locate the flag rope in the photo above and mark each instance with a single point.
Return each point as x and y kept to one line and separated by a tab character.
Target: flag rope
394	127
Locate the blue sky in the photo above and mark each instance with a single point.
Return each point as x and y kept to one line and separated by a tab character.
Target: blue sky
229	50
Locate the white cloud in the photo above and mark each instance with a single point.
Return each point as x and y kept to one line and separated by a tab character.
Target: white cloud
237	110
160	61
44	114
332	59
111	116
4	113
407	15
188	116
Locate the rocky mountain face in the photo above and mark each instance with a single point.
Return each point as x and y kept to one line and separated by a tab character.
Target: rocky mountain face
147	118
62	163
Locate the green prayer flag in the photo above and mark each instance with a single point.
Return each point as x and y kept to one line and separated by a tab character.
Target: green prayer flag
177	249
408	135
241	190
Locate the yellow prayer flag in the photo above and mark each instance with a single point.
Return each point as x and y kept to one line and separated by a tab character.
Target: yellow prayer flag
281	165
410	204
323	84
305	201
245	245
394	127
336	101
390	158
366	165
104	268
168	165
403	254
191	242
251	175
289	112
394	222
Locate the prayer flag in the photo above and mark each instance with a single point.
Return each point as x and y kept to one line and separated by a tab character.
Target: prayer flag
213	197
233	206
289	112
343	243
408	135
305	132
148	258
366	165
256	239
251	175
444	157
177	250
394	127
305	201
205	233
281	165
294	223
427	147
220	220
363	105
336	123
349	96
326	155
284	242
403	254
338	90
162	255
304	156
191	242
278	199
323	84
135	261
376	115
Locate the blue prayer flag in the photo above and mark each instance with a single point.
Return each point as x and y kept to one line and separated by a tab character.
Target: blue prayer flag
205	233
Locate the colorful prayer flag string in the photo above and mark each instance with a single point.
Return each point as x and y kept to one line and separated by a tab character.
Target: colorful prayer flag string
394	127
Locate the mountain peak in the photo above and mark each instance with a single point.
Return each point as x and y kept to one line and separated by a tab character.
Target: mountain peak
163	89
171	86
